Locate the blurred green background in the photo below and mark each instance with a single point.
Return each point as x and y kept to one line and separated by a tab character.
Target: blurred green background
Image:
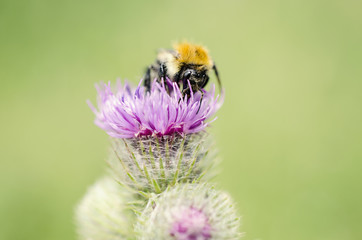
289	132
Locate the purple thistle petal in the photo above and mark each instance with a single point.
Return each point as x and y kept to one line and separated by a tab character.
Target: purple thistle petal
191	224
128	113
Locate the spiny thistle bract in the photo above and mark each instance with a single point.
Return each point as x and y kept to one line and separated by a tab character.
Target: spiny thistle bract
103	213
151	164
159	137
188	212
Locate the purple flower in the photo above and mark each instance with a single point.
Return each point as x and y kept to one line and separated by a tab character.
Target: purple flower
191	224
129	113
189	212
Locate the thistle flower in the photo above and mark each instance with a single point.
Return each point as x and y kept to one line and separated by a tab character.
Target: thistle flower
103	213
190	223
128	113
189	212
159	137
161	150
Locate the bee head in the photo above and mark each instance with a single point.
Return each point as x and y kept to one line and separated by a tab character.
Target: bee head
197	78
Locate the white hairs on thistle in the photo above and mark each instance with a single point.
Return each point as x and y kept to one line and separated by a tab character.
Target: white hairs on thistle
189	211
151	164
103	213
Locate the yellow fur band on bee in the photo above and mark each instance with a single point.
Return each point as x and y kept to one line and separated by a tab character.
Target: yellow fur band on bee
193	54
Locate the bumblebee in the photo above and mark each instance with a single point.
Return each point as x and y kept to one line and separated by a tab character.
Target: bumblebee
187	64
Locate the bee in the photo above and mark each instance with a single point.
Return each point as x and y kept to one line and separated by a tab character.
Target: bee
187	64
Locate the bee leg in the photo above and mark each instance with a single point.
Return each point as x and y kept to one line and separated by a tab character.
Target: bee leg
147	79
163	74
202	96
205	82
184	92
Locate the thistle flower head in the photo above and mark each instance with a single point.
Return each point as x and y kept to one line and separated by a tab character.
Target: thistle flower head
103	213
190	223
189	212
129	113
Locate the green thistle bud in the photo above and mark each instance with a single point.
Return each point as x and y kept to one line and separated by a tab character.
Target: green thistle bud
151	164
103	213
188	212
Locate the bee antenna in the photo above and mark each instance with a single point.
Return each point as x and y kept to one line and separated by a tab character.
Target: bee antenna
217	76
